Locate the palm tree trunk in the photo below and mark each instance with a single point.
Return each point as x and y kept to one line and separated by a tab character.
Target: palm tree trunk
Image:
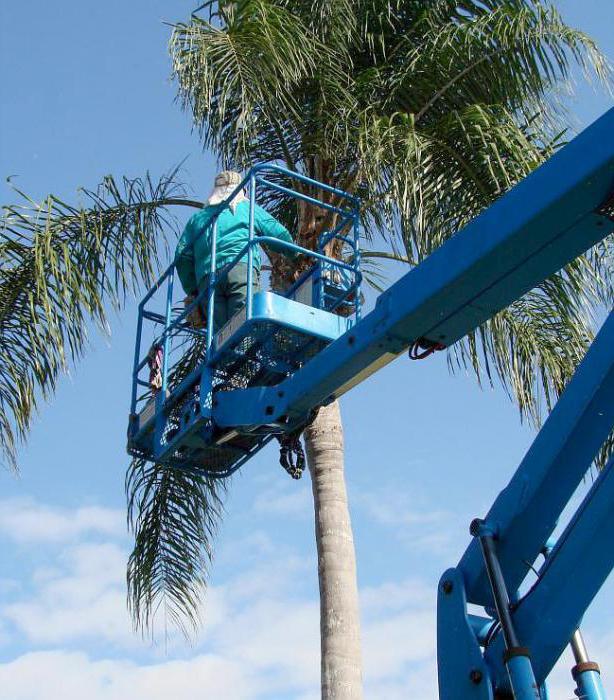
339	611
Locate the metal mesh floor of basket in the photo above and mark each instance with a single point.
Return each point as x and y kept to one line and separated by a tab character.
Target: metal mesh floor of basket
187	428
264	353
213	460
607	208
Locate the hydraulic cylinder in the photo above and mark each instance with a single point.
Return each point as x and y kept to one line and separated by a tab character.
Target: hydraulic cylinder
515	657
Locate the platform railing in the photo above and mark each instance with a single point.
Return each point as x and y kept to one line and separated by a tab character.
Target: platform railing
349	219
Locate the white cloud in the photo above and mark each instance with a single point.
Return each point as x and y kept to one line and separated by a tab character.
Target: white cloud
249	549
73	676
395	508
394	642
399	638
260	640
393	596
83	599
270	650
28	521
413	522
275	576
296	502
420	683
277	638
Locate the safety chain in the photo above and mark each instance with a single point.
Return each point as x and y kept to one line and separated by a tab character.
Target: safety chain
291	452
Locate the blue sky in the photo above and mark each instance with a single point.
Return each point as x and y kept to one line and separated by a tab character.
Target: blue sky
86	91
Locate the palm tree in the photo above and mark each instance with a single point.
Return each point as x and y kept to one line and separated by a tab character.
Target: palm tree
428	110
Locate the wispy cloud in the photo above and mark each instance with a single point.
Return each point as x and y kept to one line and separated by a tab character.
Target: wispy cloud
411	519
397	507
71	676
396	595
286	499
28	521
83	598
260	639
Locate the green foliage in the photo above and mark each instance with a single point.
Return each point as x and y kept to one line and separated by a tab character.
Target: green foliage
60	266
534	345
174	515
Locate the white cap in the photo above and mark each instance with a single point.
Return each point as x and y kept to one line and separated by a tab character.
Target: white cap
227	178
225	184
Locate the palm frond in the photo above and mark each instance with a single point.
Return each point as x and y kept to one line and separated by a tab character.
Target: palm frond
512	55
534	346
59	266
606	452
242	79
174	515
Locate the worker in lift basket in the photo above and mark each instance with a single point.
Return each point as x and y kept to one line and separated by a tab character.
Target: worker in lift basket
193	253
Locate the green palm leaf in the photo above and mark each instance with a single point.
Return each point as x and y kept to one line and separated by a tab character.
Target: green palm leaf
174	515
60	267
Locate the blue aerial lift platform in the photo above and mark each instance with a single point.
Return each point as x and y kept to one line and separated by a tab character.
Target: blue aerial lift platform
272	337
286	354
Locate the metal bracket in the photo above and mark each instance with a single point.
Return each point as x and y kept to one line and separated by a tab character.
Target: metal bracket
463	673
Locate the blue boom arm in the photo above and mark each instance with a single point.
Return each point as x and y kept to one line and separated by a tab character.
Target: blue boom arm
567	583
545	222
534	230
522	520
526	512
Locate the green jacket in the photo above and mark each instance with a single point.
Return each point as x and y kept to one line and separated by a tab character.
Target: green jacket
193	253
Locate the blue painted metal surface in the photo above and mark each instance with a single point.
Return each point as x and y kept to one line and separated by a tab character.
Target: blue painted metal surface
271	311
535	229
589	686
523	518
462	670
526	512
549	614
522	679
516	658
586	673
